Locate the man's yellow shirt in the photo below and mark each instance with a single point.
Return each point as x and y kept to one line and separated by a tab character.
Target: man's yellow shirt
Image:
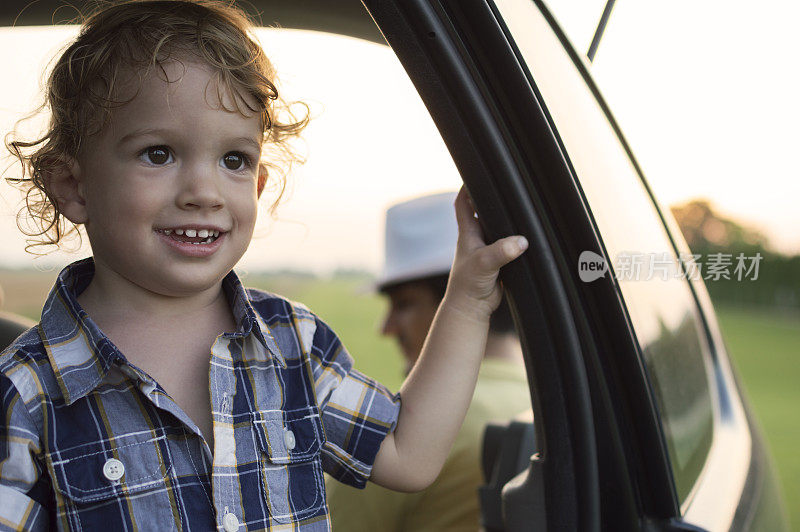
451	502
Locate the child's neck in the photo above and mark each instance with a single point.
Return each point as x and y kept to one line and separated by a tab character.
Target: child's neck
169	337
109	300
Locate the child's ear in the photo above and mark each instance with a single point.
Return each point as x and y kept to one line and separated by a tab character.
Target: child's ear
67	189
262	177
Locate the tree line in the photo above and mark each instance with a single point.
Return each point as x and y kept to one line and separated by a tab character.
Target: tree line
710	234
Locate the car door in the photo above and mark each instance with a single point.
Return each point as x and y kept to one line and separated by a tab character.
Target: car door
639	419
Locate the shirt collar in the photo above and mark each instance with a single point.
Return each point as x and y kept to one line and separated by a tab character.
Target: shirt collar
81	354
247	319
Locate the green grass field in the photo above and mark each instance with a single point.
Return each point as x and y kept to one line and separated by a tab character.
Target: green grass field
764	346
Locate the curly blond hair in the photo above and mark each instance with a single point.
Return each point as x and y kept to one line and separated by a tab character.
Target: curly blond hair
82	91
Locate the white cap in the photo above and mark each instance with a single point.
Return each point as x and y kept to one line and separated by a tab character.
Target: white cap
420	240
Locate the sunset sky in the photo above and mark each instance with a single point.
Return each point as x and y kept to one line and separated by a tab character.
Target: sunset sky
704	92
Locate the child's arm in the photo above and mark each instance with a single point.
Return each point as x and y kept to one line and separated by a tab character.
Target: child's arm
437	392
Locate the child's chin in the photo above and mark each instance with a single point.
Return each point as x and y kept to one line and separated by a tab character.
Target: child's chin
187	285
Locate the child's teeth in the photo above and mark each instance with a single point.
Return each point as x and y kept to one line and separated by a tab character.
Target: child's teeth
208	234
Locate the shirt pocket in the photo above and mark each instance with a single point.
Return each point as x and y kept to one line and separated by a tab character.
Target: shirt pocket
121	467
290	462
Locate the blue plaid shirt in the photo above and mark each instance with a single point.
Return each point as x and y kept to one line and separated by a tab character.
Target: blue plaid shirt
90	442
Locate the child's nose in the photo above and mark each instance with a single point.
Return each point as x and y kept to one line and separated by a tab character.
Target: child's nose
201	189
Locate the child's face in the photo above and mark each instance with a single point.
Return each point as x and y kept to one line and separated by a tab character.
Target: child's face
170	161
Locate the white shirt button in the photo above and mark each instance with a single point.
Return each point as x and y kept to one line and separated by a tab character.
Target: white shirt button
288	439
230	523
113	469
224	403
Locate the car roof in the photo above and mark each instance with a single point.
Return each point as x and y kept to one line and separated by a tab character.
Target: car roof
345	17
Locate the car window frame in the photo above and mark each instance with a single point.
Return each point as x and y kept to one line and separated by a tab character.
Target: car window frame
713	501
662	504
655	213
416	32
714	498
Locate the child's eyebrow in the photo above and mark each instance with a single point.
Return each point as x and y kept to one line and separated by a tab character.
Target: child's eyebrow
142	133
160	131
254	143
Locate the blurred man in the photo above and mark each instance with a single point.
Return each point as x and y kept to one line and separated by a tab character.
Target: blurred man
420	245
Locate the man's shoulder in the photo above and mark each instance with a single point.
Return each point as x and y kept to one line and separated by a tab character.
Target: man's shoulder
501	393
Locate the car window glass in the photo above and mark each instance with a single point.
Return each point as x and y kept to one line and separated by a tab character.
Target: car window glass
660	303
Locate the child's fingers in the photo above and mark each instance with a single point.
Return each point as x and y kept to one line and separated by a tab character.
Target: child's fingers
500	253
468	226
497	254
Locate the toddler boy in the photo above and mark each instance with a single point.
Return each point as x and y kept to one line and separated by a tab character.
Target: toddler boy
156	392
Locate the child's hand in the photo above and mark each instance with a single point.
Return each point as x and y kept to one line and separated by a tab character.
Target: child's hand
439	388
473	287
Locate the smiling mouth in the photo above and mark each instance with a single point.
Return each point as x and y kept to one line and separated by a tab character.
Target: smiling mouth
192	236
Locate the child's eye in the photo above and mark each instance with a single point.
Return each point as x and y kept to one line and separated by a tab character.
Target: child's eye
157	155
235	160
